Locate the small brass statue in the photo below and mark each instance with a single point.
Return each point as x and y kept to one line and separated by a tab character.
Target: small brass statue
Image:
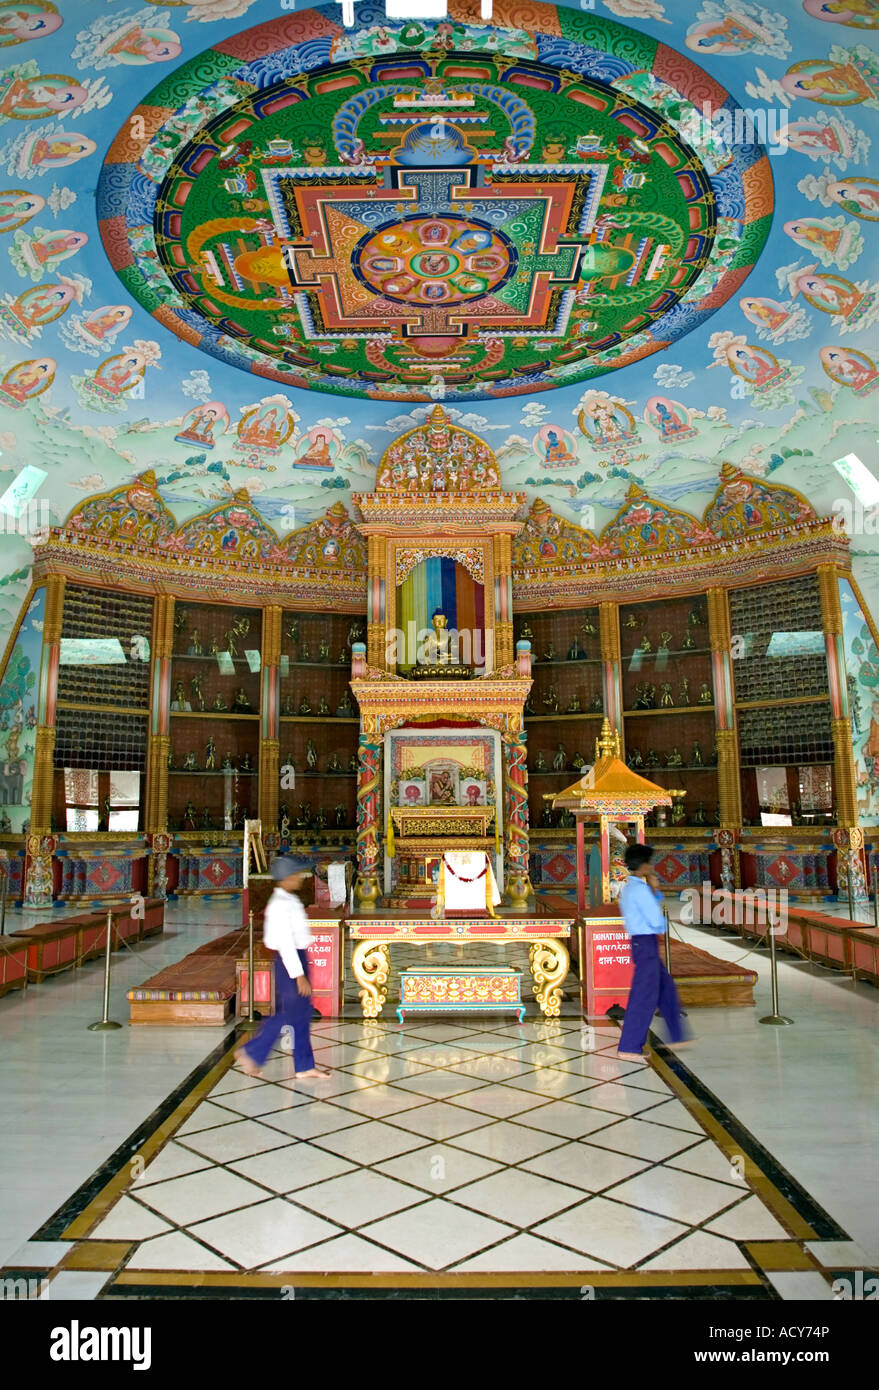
578	761
526	635
311	756
540	763
172	766
588	628
195	648
596	704
575	651
567	820
345	705
320	821
323	651
214	648
304	706
335	764
303	820
304	654
341	814
292	630
195	687
699	816
705	695
210	757
547	820
322	706
560	761
180	617
528	707
666	700
549	654
551	700
652	758
219	703
245	765
678	814
689	643
344	657
696	617
630	621
355	633
674	758
189	763
684	696
207	822
573	705
241	704
227	764
697	755
664	640
287	706
645	645
180	699
189	817
635	759
354	763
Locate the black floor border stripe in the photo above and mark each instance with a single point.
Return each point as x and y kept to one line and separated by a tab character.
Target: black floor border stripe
500	1293
823	1224
56	1225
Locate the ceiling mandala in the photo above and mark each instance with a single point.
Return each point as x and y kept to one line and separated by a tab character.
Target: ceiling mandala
446	210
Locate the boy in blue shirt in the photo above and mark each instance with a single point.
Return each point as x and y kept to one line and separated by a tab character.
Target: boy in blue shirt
652	986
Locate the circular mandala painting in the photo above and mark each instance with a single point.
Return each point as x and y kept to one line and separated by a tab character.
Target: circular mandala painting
414	210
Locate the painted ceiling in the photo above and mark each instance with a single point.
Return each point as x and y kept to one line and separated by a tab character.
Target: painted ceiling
244	247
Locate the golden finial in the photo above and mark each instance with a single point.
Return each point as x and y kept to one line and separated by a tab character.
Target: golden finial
607	745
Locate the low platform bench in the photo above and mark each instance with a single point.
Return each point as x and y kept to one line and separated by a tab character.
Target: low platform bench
197	990
13	964
833	941
66	942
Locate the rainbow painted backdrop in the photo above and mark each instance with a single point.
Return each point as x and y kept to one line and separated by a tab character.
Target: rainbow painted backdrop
440	585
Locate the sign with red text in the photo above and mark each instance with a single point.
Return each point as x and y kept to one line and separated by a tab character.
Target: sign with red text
608	967
325	968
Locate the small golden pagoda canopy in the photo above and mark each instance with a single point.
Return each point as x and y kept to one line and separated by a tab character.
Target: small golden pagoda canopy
610	788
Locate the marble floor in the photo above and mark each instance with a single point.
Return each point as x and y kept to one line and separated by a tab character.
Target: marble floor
448	1152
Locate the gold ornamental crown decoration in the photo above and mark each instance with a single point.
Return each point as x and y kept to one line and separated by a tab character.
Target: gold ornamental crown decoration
610	788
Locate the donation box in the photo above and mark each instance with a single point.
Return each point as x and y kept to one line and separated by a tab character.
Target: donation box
606	966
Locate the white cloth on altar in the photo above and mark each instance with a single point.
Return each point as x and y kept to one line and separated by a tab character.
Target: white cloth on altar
464	879
337	885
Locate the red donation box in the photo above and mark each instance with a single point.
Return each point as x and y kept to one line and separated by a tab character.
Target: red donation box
606	968
326	965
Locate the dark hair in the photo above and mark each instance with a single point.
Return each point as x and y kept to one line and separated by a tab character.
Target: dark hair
637	856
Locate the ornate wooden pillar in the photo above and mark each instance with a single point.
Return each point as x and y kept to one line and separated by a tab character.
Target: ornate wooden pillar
729	785
840	718
40	843
367	890
159	746
609	629
376	652
518	881
269	740
503	600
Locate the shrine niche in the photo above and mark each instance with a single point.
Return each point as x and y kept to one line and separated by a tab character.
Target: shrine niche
501	210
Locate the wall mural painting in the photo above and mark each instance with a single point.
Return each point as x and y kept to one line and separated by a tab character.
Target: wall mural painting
862	679
18	718
560	225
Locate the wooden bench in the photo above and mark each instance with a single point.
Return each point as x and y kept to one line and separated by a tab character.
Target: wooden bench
197	990
833	941
13	964
65	943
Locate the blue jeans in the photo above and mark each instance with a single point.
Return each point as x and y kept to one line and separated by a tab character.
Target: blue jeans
292	1010
652	988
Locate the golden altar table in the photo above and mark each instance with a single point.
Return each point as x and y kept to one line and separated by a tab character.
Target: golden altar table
545	931
411	821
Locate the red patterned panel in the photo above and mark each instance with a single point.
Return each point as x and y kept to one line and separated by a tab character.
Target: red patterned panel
559	868
278	33
114	235
670	868
680	72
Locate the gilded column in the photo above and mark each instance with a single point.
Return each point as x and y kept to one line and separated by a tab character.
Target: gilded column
609	629
375	602
840	719
720	641
367	890
159	747
40	843
503	600
518	881
269	740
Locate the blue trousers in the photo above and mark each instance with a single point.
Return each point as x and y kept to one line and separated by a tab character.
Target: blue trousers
652	988
292	1010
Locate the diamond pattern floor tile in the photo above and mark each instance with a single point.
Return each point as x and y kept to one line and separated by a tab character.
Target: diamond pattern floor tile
441	1235
500	1101
261	1100
200	1195
527	1252
345	1255
358	1197
438	1168
616	1234
438	1085
750	1220
292	1169
508	1142
440	1120
257	1235
583	1166
170	1162
699	1251
518	1197
235	1141
568	1118
206	1116
128	1220
311	1121
176	1251
671	1192
377	1102
644	1140
371	1142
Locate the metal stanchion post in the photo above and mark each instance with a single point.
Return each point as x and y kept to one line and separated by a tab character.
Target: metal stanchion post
667	939
775	1017
106	1024
251	1022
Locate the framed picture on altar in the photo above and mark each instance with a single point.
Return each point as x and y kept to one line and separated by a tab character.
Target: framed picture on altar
412	792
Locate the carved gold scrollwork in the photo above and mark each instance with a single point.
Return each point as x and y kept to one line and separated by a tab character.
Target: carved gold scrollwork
371	964
549	961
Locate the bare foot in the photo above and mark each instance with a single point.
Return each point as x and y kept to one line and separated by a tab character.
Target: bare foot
631	1057
313	1072
684	1042
244	1062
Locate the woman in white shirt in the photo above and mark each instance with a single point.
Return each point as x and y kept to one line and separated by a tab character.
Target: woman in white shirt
286	930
